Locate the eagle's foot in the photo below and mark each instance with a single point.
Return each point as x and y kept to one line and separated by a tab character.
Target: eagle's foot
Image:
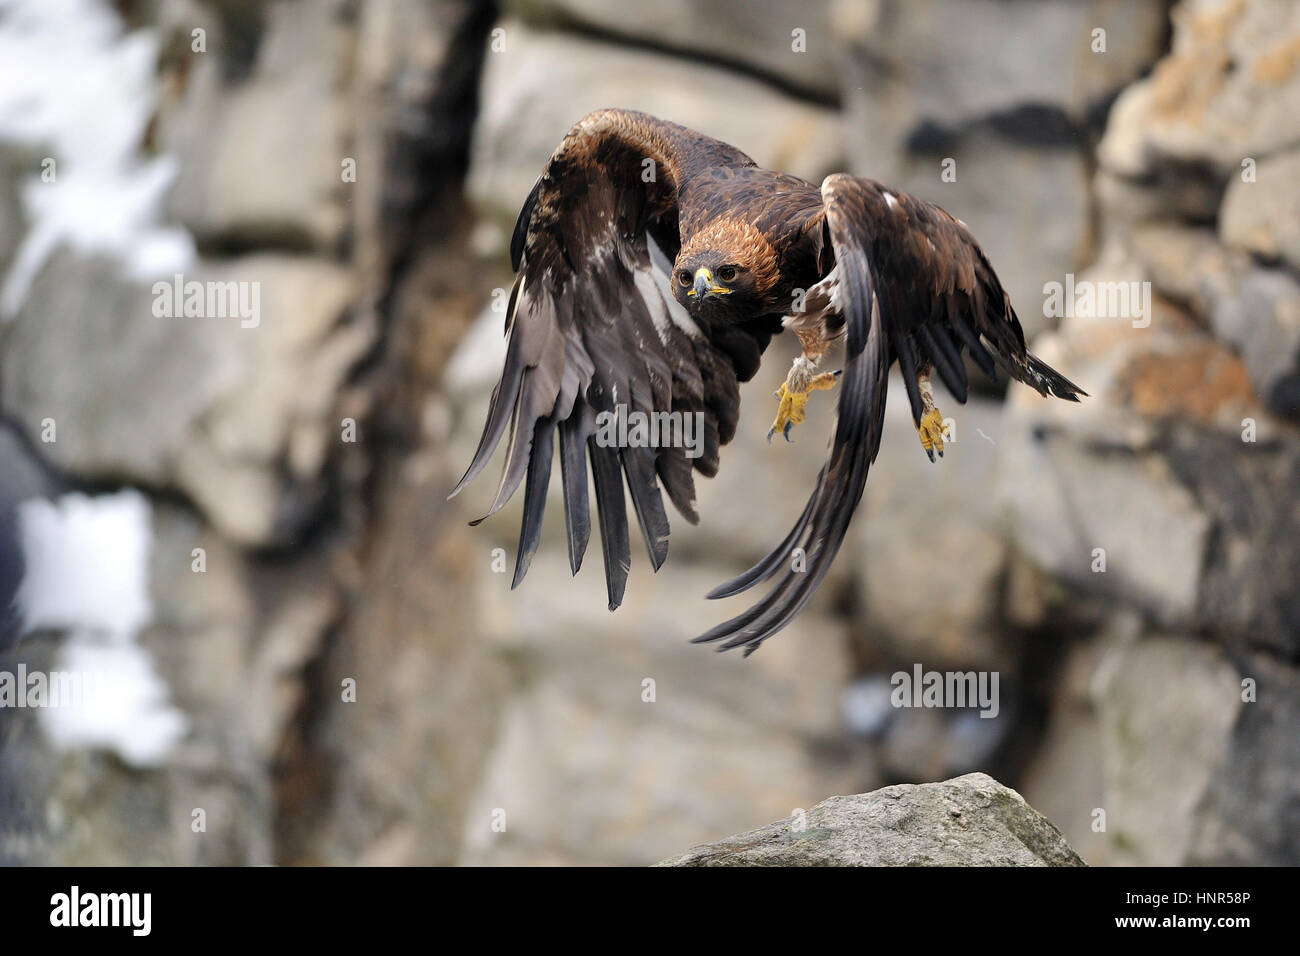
930	424
793	395
931	432
790	412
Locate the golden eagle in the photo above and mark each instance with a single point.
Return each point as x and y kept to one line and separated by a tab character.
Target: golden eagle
654	264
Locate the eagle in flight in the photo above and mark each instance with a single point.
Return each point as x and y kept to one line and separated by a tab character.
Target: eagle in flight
654	264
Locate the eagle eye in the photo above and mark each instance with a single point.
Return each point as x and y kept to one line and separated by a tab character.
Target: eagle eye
727	273
684	278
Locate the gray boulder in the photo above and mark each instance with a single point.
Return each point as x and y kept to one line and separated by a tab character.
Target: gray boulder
1162	751
967	821
1223	101
1260	215
257	124
239	419
977	64
1228	90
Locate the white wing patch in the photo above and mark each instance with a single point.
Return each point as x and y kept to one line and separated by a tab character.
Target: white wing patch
825	298
655	286
832	285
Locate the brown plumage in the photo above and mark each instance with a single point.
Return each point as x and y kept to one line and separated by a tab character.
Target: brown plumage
654	265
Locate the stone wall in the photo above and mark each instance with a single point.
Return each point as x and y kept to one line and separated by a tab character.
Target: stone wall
359	684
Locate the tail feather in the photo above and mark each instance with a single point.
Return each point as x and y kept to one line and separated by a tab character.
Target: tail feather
1044	379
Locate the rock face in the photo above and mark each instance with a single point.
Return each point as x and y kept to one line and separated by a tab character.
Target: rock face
998	114
760	34
968	821
540	83
980	63
1229	89
1162	751
247	174
243	432
358	681
217	417
1170	497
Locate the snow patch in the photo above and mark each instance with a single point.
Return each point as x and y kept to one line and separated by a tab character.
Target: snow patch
128	712
88	574
74	83
87	564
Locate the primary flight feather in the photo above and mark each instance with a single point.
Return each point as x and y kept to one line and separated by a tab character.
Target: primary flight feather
654	264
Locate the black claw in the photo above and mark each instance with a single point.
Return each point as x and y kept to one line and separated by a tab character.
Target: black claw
785	432
770	433
930	453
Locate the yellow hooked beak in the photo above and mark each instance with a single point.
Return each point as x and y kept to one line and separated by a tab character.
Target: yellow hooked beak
705	286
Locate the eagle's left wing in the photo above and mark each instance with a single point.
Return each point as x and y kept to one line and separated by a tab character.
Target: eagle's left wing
593	328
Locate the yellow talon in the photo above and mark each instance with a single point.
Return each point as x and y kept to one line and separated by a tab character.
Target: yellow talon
793	406
790	411
823	381
931	432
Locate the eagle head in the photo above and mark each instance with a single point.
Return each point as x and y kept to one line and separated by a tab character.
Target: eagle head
727	270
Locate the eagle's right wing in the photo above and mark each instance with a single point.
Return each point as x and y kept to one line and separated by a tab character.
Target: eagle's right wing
592	325
910	283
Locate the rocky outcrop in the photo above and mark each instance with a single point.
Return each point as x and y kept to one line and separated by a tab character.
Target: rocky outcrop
968	821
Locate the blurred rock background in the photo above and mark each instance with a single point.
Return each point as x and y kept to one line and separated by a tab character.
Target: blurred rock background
340	674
